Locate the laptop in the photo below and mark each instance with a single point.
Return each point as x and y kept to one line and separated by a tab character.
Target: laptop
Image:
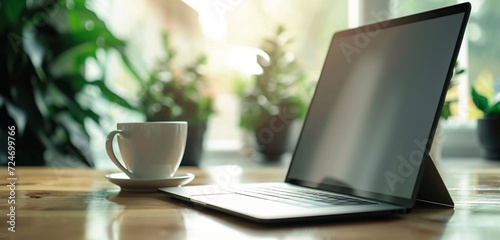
364	145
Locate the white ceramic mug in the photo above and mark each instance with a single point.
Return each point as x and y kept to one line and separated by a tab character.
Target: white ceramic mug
150	150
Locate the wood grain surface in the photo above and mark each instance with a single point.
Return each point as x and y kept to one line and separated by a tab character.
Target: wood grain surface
59	203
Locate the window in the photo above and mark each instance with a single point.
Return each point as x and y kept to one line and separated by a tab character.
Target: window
310	23
484	50
229	32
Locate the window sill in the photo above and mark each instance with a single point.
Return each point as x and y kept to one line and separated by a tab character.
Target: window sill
460	140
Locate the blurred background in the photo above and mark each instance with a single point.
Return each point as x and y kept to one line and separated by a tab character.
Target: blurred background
72	69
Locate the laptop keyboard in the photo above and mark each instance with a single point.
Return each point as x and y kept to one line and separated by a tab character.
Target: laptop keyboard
298	197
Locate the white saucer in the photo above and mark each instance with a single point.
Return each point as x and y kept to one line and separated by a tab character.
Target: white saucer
148	185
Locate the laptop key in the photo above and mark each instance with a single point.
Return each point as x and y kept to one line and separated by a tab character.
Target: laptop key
304	198
278	199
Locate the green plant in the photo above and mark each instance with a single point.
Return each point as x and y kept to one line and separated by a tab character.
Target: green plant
490	109
280	89
44	46
446	111
172	93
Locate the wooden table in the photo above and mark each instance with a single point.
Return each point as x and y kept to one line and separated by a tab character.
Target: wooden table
53	203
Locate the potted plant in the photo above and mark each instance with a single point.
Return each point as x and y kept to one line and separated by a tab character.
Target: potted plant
172	93
488	127
43	49
271	101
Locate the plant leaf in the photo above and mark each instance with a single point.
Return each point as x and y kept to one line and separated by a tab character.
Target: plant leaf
130	67
493	110
479	100
111	96
446	111
12	9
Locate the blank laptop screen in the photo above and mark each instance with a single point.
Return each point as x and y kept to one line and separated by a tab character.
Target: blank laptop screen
374	107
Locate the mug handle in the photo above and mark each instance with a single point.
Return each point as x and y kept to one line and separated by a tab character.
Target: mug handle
111	153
